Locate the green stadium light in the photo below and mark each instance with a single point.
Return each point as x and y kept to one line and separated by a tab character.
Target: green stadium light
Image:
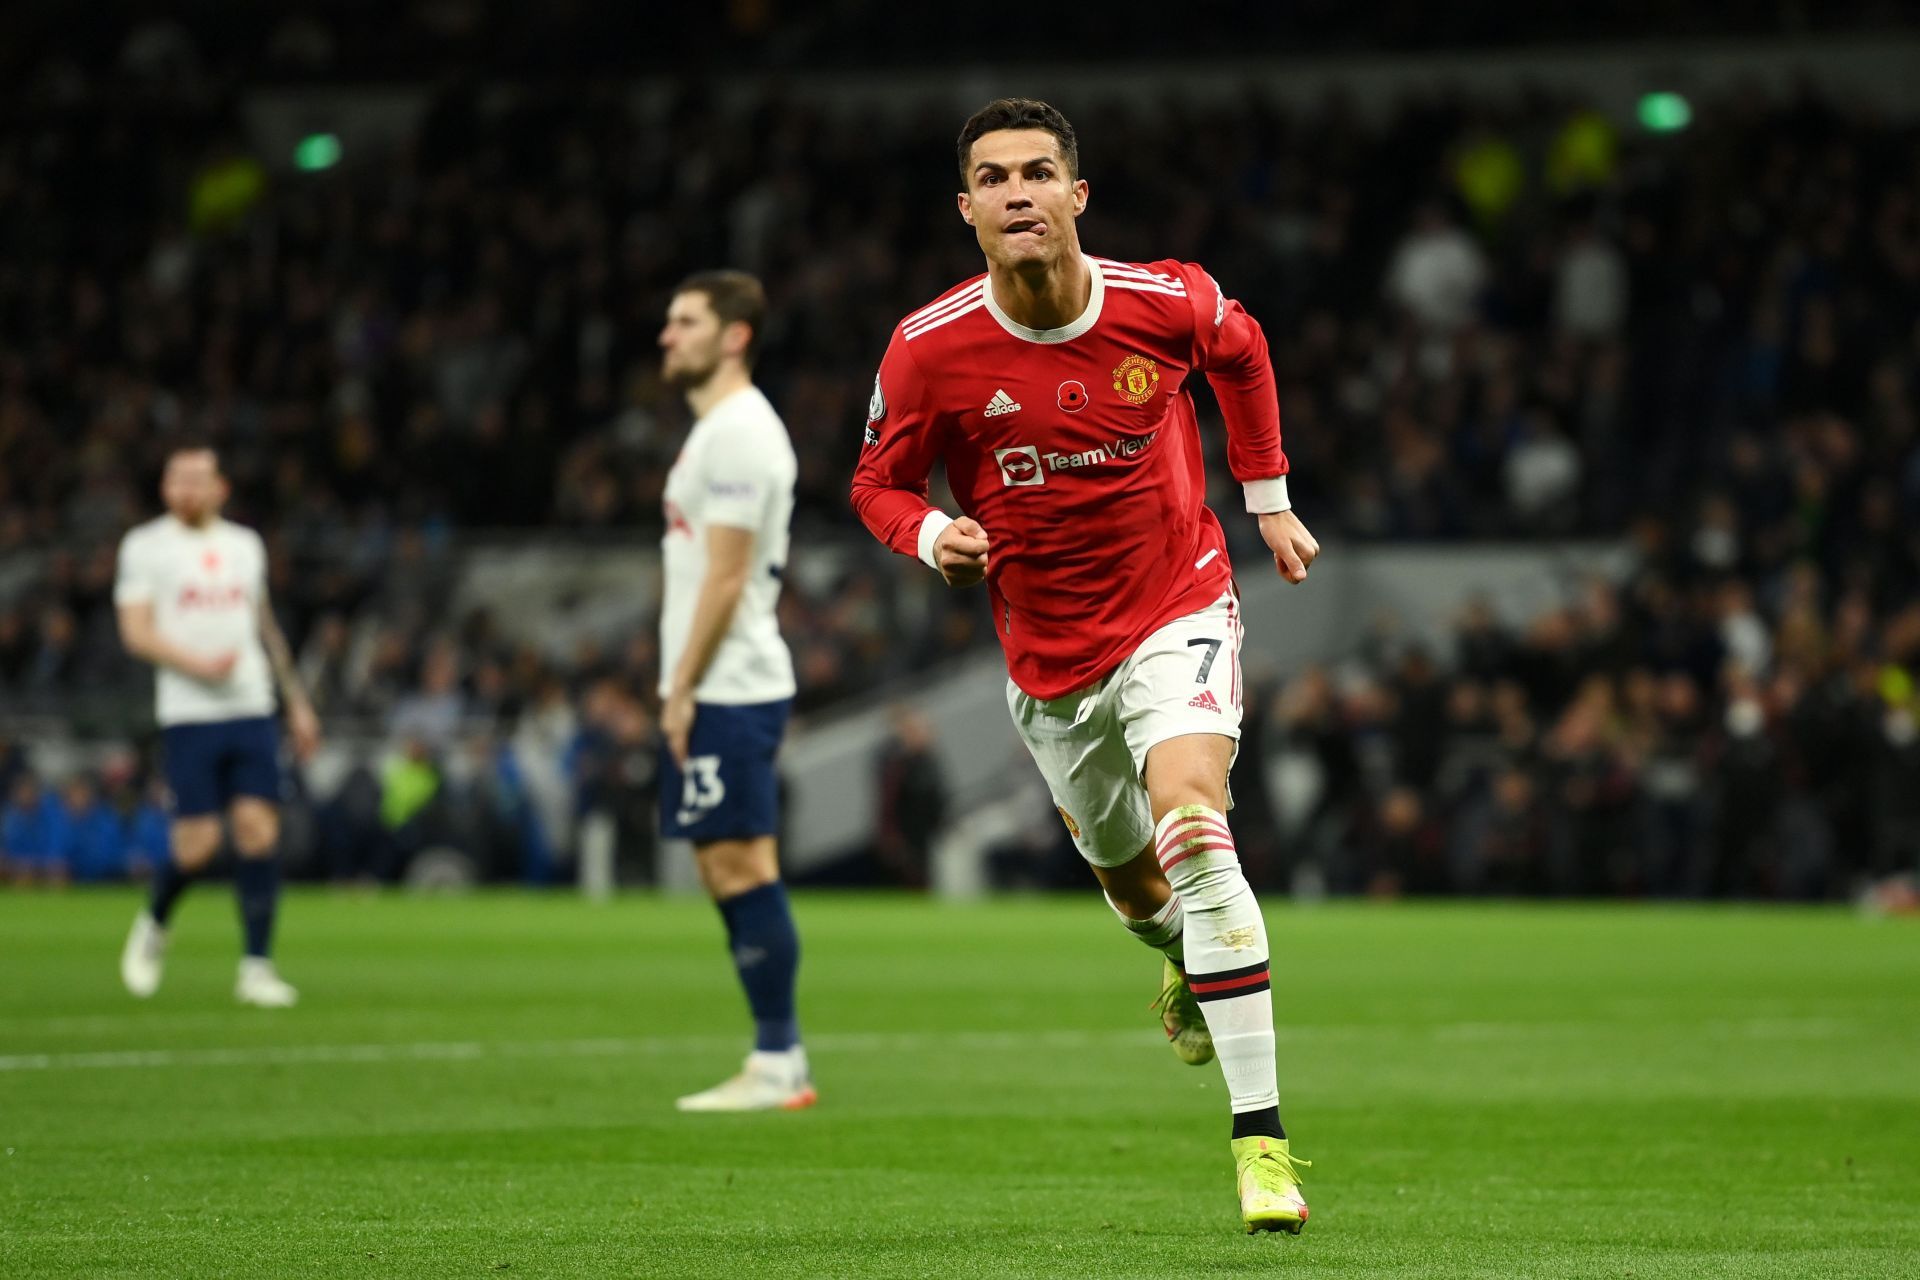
316	152
1665	112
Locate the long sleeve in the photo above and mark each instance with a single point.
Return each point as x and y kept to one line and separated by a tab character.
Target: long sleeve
902	441
1229	345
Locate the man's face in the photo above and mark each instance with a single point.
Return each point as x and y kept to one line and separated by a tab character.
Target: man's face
192	487
1019	199
693	340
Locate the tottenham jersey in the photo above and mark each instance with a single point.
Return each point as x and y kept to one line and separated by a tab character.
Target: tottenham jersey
736	469
205	586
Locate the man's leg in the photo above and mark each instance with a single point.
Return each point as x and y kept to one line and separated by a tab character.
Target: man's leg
192	842
1227	972
256	875
1226	938
743	878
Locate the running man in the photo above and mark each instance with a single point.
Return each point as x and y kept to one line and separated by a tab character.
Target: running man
1054	389
726	678
192	600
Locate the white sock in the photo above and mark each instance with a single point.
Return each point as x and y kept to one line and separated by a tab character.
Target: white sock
1161	931
1226	949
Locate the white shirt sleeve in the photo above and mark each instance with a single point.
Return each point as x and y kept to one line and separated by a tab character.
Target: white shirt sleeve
133	580
740	477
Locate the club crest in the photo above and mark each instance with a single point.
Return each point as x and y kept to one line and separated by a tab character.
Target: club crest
1136	379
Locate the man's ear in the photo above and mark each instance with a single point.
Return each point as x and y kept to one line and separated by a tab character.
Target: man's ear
737	338
966	207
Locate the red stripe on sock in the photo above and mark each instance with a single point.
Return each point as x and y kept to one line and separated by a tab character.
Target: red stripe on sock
1229	984
1210	847
1190	827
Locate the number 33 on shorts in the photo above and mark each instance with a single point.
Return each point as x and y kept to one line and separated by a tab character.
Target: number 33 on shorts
701	789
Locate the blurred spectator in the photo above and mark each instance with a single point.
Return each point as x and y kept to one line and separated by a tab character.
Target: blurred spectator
36	834
913	801
1437	273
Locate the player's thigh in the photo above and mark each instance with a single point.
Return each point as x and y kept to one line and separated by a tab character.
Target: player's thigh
1077	744
191	759
250	783
729	868
1179	703
729	788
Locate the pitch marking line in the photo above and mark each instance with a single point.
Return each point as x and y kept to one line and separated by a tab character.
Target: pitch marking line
474	1050
831	1042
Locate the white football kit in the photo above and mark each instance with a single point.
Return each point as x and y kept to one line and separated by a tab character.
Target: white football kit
737	469
205	586
1091	744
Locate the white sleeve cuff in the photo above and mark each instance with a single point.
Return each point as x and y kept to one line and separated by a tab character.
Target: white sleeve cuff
931	528
1264	497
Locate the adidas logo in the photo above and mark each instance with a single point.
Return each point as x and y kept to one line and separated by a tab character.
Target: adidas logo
1001	403
1204	701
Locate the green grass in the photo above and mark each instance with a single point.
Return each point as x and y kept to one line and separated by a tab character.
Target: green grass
1497	1091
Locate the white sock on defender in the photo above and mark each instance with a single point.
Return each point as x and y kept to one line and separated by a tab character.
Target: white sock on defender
1226	949
1161	931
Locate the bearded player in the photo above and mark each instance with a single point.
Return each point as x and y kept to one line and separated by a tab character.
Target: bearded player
191	594
1054	390
726	677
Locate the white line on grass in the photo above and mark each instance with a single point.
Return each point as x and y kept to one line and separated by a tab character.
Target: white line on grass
474	1050
851	1042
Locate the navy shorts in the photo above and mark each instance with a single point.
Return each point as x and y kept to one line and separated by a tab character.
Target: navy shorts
209	764
729	790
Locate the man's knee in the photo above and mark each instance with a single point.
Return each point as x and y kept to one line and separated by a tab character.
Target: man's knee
1138	888
730	868
194	841
256	828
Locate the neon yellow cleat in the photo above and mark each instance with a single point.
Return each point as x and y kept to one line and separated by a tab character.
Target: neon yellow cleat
1180	1014
1269	1177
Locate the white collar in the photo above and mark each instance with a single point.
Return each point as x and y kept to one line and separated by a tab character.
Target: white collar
1066	332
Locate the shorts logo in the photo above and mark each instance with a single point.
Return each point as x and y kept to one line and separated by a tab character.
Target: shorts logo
1020	465
1205	701
1136	379
1073	396
1073	828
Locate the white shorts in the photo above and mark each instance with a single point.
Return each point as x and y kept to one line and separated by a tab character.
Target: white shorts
1091	745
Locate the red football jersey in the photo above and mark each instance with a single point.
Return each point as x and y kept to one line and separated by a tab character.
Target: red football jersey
1078	451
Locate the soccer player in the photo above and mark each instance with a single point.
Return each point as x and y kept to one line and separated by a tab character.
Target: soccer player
192	600
1054	389
726	678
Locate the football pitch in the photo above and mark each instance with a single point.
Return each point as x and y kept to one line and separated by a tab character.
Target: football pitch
484	1086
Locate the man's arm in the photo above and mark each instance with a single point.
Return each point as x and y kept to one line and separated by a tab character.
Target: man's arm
139	637
1230	346
729	561
901	443
302	723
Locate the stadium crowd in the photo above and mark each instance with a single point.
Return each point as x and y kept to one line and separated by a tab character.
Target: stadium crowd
1488	319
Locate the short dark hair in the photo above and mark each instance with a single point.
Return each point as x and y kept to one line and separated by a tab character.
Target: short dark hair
1019	113
733	295
193	443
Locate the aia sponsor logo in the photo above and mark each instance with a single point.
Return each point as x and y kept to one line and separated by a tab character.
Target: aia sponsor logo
230	596
1020	465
